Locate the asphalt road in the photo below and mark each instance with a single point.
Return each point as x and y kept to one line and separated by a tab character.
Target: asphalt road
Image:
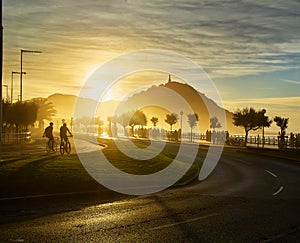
248	198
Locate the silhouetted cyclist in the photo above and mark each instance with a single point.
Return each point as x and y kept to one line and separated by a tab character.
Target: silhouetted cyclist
49	134
63	133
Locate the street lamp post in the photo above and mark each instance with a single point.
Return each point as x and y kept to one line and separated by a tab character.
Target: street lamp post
263	129
181	113
12	85
21	72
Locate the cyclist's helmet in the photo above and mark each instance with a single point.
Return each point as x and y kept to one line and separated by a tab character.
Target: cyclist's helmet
64	124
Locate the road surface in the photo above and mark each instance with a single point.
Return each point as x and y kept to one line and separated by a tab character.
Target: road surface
248	198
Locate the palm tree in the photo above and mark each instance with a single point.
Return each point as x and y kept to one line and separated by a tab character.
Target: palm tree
29	114
192	120
283	124
154	121
46	111
171	119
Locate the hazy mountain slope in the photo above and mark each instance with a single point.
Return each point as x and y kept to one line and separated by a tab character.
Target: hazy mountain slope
156	101
156	95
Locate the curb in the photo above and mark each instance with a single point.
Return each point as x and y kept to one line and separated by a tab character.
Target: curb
188	180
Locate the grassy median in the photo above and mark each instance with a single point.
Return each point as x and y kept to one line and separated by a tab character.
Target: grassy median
59	174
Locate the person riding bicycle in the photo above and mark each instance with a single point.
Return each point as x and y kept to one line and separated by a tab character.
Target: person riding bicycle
49	134
63	133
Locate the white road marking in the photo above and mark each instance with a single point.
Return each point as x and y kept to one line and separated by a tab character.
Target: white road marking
271	173
279	190
183	222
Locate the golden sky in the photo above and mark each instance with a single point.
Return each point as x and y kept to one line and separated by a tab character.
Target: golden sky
249	48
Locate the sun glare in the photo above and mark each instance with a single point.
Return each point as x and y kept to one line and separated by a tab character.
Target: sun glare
108	95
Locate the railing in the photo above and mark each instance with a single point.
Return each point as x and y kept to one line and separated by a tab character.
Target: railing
21	137
236	140
270	141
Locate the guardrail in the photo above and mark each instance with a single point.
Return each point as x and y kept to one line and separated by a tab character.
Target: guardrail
21	137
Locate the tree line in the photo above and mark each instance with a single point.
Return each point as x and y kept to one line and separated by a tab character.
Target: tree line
250	119
19	116
136	122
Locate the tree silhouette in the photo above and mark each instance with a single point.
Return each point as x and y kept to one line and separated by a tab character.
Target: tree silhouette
214	123
124	120
250	120
84	121
192	120
45	111
283	124
141	118
29	114
109	119
99	122
6	113
21	114
154	121
171	119
138	118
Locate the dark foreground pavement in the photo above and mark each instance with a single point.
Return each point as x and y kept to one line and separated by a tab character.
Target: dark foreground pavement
249	197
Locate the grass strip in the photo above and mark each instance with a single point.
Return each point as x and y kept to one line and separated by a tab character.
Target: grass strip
62	174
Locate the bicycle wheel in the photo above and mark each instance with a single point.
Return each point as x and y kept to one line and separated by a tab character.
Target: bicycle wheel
62	149
68	147
55	147
48	149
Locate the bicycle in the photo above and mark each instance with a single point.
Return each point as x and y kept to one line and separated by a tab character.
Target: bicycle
49	148
65	146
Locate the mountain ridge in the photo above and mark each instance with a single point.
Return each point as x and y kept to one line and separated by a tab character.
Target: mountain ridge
64	104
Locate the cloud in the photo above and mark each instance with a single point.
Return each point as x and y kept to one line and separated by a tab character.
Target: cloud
227	38
292	81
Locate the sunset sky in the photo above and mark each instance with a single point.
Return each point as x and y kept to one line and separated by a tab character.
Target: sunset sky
250	49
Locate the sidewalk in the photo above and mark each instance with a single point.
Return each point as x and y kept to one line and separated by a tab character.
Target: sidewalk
268	150
37	148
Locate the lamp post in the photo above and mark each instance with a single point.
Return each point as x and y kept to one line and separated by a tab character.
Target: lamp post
181	113
263	128
12	85
21	72
6	86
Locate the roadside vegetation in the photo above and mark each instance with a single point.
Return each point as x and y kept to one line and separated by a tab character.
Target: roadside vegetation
62	174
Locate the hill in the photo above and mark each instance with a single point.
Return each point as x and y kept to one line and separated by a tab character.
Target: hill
147	100
154	102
